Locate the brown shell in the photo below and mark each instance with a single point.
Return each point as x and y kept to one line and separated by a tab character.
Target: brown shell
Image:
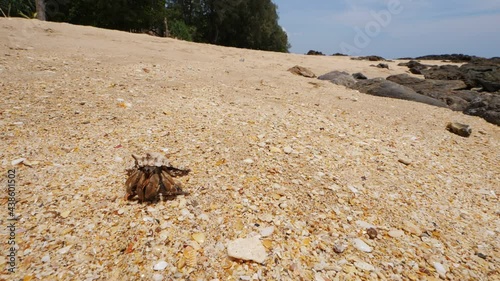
151	176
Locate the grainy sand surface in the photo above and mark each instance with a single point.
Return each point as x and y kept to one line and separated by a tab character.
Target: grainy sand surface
308	167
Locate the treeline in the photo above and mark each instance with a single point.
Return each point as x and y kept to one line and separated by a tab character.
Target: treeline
249	24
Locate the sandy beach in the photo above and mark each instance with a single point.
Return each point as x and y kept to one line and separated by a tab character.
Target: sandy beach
308	167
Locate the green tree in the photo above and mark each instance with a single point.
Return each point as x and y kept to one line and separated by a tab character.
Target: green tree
18	8
238	23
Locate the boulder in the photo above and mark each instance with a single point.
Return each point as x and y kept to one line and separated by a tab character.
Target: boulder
443	72
369	58
381	65
448	57
314	53
482	73
427	86
415	66
339	78
300	70
486	106
359	76
385	88
439	89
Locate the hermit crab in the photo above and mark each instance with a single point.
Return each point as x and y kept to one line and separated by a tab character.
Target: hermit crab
151	176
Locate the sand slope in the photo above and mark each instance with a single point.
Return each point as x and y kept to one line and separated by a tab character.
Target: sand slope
319	162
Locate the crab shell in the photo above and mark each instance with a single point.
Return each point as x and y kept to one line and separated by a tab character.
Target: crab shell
152	175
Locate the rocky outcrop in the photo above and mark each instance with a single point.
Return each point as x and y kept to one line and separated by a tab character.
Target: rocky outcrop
479	73
439	89
359	76
486	106
339	78
370	58
384	88
415	66
445	86
314	53
483	74
447	57
381	65
444	72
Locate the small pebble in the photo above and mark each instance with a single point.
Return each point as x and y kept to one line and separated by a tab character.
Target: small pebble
64	250
396	233
199	237
247	249
248	161
406	162
412	228
267	231
157	277
274	149
266	217
364	266
203	217
372	233
364	224
318	277
440	269
65	214
361	245
185	212
160	266
46	258
481	255
17	161
339	248
287	149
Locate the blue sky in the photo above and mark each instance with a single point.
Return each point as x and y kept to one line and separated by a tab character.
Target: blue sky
392	28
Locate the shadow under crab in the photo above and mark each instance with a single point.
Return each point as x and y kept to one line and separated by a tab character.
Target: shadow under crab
151	177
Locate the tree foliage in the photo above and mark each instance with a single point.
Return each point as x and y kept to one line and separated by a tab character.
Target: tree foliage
249	24
18	8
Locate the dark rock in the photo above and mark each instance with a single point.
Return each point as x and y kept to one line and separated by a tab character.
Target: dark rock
339	78
314	53
359	76
369	58
427	86
385	88
438	89
455	103
448	57
415	66
382	65
444	72
486	106
300	70
482	73
417	70
339	55
462	130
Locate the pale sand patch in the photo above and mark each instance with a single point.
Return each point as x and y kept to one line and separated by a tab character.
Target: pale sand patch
315	160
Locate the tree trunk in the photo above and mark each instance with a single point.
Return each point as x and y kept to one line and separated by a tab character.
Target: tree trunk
40	10
167	32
